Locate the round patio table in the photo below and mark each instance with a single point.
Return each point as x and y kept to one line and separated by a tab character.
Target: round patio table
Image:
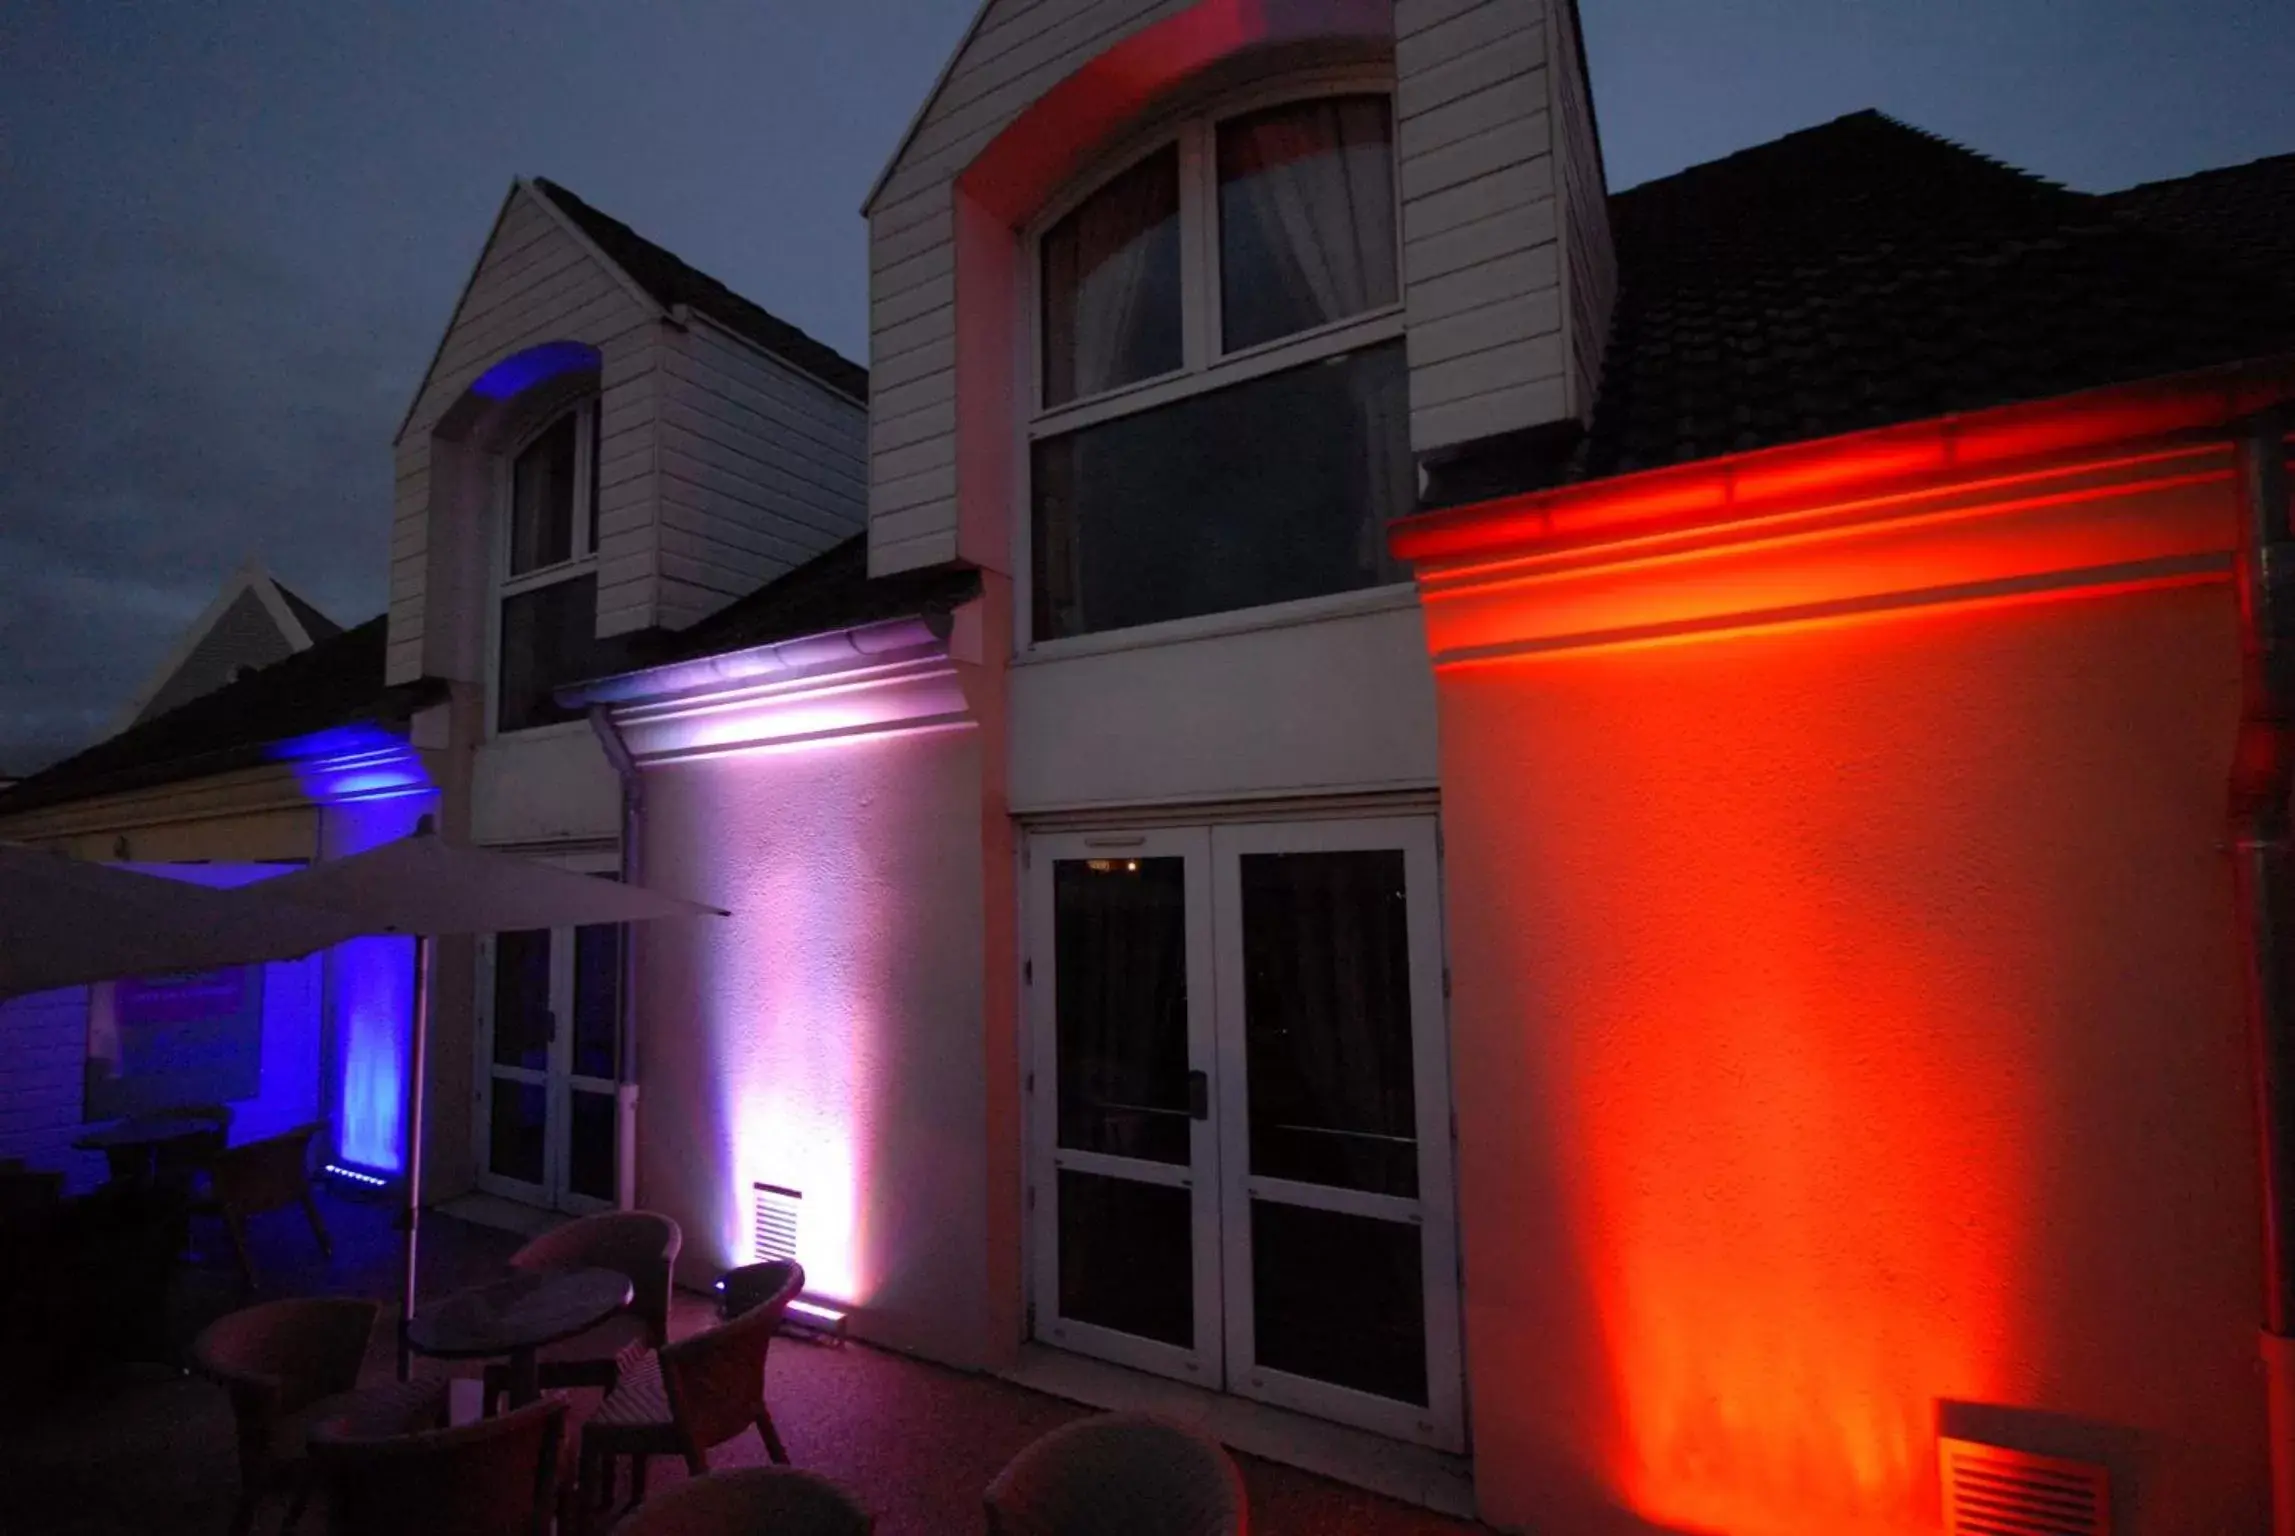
515	1316
132	1146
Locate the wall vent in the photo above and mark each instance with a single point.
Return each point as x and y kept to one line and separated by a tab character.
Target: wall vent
776	1224
1992	1491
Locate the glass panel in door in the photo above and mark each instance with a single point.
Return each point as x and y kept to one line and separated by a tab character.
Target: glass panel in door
1123	1190
1340	1287
521	1029
593	1063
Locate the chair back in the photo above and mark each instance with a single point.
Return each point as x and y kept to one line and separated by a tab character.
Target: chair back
266	1175
716	1378
781	1500
279	1356
495	1476
775	1283
1120	1474
640	1244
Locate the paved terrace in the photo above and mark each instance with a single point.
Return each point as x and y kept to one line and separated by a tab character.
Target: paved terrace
149	1451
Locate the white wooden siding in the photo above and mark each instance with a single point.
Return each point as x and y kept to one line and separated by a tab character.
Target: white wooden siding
1590	263
1483	286
761	468
1021	49
44	1038
536	282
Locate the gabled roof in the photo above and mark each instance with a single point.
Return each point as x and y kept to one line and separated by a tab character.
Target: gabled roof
335	682
1863	273
250	596
671	282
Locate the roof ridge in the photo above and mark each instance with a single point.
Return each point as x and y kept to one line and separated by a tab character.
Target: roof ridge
1768	148
673	280
2206	173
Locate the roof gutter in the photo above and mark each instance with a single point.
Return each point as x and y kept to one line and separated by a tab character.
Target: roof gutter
766	663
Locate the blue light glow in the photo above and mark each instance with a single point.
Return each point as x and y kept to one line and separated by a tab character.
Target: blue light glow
374	787
352	1175
516	374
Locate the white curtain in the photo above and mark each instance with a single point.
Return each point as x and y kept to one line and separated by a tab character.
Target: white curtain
1099	267
1317	180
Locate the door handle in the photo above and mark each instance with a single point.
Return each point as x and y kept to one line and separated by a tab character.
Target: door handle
1198	1096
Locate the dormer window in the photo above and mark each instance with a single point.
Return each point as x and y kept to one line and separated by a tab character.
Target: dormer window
1222	414
547	595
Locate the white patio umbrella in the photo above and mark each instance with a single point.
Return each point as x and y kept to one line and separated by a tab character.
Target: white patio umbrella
428	888
65	922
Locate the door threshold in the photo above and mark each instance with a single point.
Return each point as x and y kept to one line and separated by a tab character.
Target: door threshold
1412	1474
482	1209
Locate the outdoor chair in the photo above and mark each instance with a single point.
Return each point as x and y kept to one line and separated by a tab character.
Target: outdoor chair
284	1364
1120	1474
689	1397
641	1245
260	1176
754	1501
488	1478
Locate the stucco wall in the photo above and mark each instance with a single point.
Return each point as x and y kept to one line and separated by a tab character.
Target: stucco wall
1847	1046
828	1036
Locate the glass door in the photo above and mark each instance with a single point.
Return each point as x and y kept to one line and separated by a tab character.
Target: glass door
1338	1227
549	1040
1124	1197
1240	1101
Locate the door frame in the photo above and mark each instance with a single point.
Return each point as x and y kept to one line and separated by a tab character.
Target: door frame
1416	829
558	1080
1045	1158
1442	1421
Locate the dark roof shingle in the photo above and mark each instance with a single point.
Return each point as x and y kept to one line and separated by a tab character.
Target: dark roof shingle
337	681
1863	273
831	591
671	281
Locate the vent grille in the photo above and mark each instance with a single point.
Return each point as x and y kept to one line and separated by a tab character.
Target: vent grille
1992	1491
775	1227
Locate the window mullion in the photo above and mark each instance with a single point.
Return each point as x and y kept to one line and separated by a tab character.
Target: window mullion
1198	249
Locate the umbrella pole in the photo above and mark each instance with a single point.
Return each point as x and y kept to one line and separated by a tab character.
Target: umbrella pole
418	1050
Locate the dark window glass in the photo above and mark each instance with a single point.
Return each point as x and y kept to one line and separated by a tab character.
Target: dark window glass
1120	947
1111	284
1339	1298
1327	1021
1276	489
590	1144
597	999
542	498
522	999
1306	217
1127	1256
549	639
516	1123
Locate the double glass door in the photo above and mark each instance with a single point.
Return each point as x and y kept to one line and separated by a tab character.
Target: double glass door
1240	1110
548	1039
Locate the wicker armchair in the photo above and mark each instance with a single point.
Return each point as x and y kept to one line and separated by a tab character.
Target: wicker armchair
490	1478
259	1176
641	1245
688	1397
1120	1474
779	1500
282	1362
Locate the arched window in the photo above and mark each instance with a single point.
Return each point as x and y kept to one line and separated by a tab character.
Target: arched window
1221	413
546	586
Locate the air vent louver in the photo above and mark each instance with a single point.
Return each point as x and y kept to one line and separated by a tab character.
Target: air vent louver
777	1210
1992	1491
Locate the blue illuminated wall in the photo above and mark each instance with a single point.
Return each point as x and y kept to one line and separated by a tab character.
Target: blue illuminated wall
372	787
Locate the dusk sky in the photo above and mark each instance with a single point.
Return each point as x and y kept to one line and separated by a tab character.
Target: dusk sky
233	234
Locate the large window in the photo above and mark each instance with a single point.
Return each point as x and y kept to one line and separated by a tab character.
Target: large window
1222	414
547	596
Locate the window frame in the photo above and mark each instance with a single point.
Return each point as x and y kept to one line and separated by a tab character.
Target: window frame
501	586
1204	367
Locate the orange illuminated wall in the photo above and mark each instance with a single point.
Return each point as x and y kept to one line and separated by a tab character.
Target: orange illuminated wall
1845	1014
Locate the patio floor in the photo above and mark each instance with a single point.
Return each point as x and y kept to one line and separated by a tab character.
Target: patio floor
151	1451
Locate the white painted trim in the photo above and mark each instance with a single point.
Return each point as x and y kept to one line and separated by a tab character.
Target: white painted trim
916	122
1233	621
565	221
250	577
